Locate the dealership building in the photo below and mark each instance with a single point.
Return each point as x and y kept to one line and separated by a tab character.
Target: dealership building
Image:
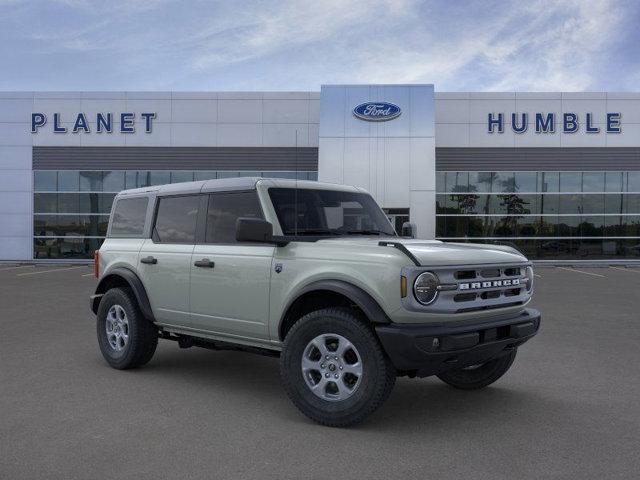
555	174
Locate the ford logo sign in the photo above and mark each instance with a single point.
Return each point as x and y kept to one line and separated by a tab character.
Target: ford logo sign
377	111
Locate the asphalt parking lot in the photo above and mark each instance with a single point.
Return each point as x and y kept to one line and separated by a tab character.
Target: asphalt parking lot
569	408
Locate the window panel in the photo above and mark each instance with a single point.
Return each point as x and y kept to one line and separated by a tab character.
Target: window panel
550	204
548	226
89	203
527	226
69	202
113	181
614	226
61	248
549	182
441	226
205	175
631	203
588	249
471	204
592	226
45	181
228	174
632	225
159	177
593	182
440	182
571	203
224	209
45	203
633	181
505	227
592	203
613	203
613	182
68	181
569	226
181	176
129	217
90	181
629	248
504	182
526	182
475	226
441	203
176	219
547	249
457	182
480	181
570	181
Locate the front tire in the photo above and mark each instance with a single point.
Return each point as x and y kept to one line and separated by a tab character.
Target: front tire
126	338
479	376
334	369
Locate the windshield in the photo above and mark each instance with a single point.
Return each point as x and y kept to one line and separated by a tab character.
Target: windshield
328	212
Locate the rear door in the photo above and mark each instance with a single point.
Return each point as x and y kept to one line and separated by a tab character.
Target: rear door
164	262
230	280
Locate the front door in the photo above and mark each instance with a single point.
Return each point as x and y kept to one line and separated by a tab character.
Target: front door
230	280
164	263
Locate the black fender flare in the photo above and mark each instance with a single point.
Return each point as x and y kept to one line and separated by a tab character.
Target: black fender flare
133	281
365	302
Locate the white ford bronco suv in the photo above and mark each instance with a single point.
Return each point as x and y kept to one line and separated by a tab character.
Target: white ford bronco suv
315	274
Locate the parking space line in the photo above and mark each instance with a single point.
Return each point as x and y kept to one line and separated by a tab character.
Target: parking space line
49	271
15	268
581	271
88	275
637	270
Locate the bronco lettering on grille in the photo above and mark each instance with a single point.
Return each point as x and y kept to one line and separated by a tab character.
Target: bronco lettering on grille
489	284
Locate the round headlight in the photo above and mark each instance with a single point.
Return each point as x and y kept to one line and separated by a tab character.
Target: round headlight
425	288
529	275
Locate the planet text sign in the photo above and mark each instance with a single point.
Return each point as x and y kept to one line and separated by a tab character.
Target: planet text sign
99	123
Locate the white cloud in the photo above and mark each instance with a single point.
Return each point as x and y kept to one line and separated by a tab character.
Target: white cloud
293	44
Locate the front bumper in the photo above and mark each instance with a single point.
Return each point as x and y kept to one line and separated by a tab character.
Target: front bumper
427	350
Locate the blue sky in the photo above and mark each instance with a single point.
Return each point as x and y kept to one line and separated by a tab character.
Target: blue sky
535	45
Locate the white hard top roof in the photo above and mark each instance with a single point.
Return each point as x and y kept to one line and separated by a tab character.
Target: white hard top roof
235	183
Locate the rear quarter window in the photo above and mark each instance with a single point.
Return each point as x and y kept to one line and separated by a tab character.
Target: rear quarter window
176	219
129	216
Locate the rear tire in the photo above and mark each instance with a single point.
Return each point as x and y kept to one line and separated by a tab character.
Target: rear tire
334	369
479	376
126	338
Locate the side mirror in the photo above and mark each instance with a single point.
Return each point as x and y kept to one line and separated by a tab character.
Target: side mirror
408	230
253	230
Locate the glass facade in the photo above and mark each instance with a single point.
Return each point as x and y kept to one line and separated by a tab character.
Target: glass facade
547	215
71	208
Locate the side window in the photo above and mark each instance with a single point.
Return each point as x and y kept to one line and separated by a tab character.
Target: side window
128	217
224	210
176	219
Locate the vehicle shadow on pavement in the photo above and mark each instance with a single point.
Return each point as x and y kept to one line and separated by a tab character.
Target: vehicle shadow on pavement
413	404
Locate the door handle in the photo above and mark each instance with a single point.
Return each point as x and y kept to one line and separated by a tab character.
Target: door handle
149	260
204	263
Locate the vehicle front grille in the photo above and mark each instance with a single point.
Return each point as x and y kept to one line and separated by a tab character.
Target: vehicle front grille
476	288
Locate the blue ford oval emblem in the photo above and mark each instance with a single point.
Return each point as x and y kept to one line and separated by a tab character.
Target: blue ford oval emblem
377	111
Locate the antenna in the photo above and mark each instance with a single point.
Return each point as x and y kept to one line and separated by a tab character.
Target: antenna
295	194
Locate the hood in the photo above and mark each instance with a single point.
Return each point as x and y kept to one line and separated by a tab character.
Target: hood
437	253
